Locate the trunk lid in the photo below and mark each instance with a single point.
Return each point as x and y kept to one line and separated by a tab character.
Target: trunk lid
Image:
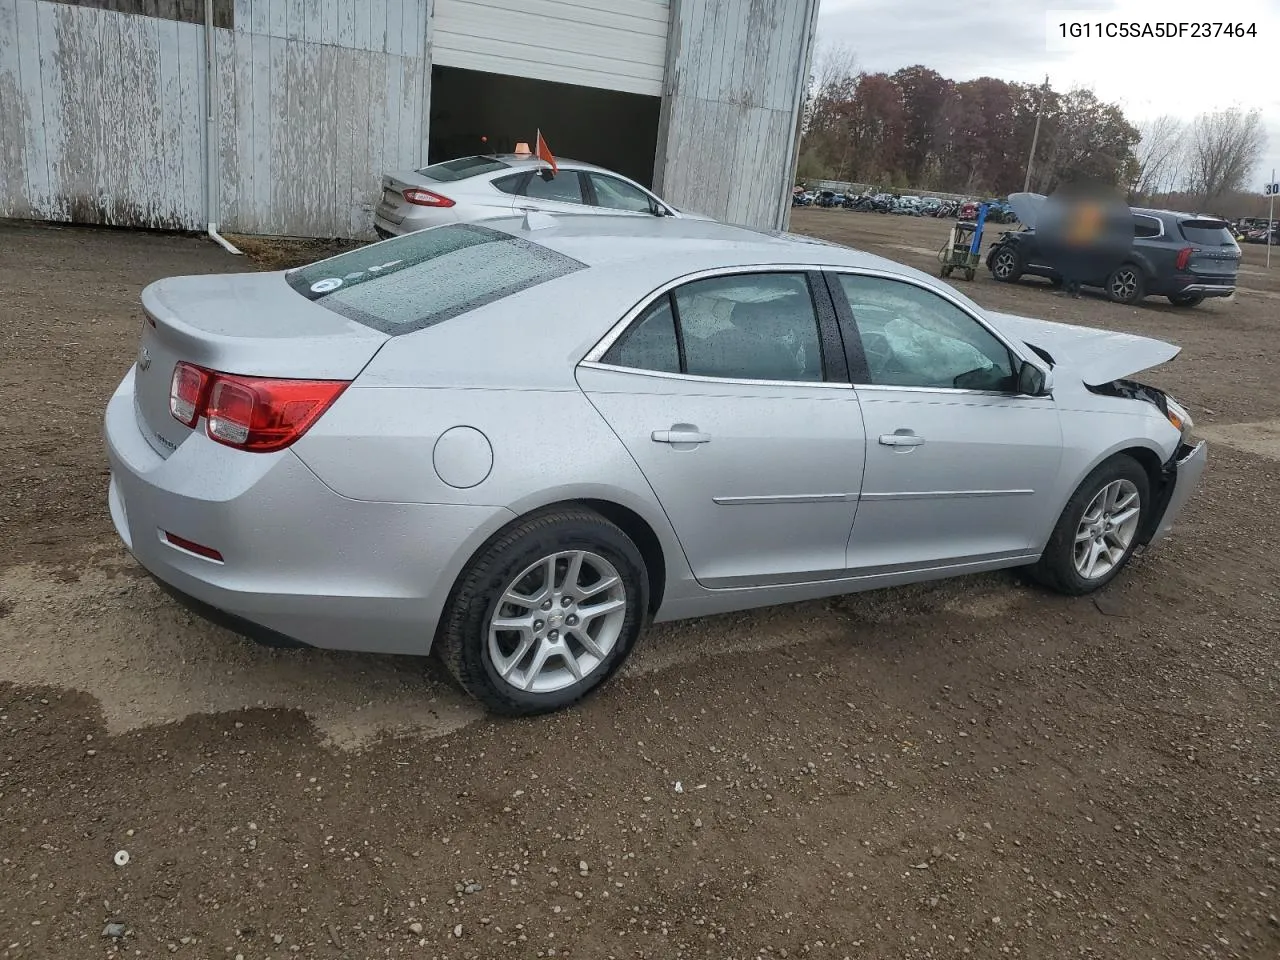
1096	356
253	324
1216	255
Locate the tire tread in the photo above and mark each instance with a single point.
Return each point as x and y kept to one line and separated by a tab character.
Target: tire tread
469	602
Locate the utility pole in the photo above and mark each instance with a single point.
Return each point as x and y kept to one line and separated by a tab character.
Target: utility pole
1035	137
1271	214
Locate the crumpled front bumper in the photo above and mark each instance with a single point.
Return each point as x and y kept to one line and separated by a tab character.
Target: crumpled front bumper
1186	468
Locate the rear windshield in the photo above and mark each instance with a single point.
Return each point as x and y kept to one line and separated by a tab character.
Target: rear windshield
462	168
1207	233
424	278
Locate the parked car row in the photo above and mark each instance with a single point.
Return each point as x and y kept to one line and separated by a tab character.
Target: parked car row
1257	230
998	211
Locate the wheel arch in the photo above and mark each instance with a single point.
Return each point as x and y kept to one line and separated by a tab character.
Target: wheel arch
1148	455
653	538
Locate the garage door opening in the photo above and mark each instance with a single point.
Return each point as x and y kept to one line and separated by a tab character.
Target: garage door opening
613	129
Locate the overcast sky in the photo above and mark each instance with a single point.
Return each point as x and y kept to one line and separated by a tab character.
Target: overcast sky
964	39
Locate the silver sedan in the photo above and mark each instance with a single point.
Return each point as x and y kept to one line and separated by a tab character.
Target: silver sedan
519	443
477	188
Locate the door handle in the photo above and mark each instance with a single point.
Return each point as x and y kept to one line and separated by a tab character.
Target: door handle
681	433
900	440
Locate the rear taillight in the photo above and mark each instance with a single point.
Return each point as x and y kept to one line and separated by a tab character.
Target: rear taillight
425	198
187	393
260	414
1184	257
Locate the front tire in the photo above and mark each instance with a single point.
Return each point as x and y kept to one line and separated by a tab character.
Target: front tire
1006	265
1098	530
548	609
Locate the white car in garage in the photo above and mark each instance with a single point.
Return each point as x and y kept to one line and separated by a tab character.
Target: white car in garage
479	188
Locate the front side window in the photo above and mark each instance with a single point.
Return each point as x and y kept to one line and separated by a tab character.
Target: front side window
424	278
755	326
915	338
617	194
564	187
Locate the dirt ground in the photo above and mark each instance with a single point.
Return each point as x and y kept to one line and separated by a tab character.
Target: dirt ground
970	768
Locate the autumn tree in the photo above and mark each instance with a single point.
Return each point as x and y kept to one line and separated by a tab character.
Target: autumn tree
925	96
917	128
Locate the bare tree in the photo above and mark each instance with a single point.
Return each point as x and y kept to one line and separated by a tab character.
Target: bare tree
1158	158
834	62
1223	149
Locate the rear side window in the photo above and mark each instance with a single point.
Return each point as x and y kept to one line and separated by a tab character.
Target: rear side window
424	278
510	184
1207	233
651	342
759	326
462	168
1146	227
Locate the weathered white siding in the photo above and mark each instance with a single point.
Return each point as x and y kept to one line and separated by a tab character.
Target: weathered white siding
316	98
736	71
615	45
102	114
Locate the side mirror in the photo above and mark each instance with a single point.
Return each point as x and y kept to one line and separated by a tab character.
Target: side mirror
1034	382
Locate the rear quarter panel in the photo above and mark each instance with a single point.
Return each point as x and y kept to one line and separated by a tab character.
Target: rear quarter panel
547	446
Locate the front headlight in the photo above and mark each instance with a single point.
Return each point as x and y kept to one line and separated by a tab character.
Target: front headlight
1178	415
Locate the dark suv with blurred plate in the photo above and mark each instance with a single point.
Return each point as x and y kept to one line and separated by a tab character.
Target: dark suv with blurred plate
1182	256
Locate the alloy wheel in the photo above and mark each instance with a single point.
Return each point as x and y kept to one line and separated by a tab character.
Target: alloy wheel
557	621
1123	285
1003	265
1106	529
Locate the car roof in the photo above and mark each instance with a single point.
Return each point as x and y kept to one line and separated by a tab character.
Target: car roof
669	247
1150	212
519	161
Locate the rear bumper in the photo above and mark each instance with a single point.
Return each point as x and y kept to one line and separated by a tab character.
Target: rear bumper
300	562
1207	290
1187	467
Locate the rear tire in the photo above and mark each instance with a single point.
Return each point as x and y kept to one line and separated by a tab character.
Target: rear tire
1067	565
1006	265
1191	300
519	658
1126	284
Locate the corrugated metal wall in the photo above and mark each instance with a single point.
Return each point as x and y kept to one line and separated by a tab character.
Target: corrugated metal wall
615	45
736	71
102	113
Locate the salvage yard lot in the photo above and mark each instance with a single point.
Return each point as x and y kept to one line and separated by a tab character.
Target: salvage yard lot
974	765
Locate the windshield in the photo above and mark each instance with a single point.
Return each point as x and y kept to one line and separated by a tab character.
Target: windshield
462	168
1207	233
424	278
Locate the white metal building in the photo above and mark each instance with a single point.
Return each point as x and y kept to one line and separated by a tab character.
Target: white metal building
105	104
